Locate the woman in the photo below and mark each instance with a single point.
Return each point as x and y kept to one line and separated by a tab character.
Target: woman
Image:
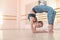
42	7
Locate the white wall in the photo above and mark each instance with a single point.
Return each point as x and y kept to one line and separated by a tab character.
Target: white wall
8	8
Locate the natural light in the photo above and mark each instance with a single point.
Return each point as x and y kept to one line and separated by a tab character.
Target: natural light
1	18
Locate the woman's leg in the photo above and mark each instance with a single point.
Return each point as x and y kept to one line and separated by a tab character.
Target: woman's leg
51	18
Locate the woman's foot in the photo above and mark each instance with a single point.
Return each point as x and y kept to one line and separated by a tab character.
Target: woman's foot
51	31
50	28
43	31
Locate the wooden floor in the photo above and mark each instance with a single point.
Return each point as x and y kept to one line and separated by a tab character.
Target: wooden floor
12	32
26	34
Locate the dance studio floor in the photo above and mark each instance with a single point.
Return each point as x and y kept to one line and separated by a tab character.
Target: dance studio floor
26	34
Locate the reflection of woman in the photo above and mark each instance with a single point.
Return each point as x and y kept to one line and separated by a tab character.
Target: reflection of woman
51	37
42	7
